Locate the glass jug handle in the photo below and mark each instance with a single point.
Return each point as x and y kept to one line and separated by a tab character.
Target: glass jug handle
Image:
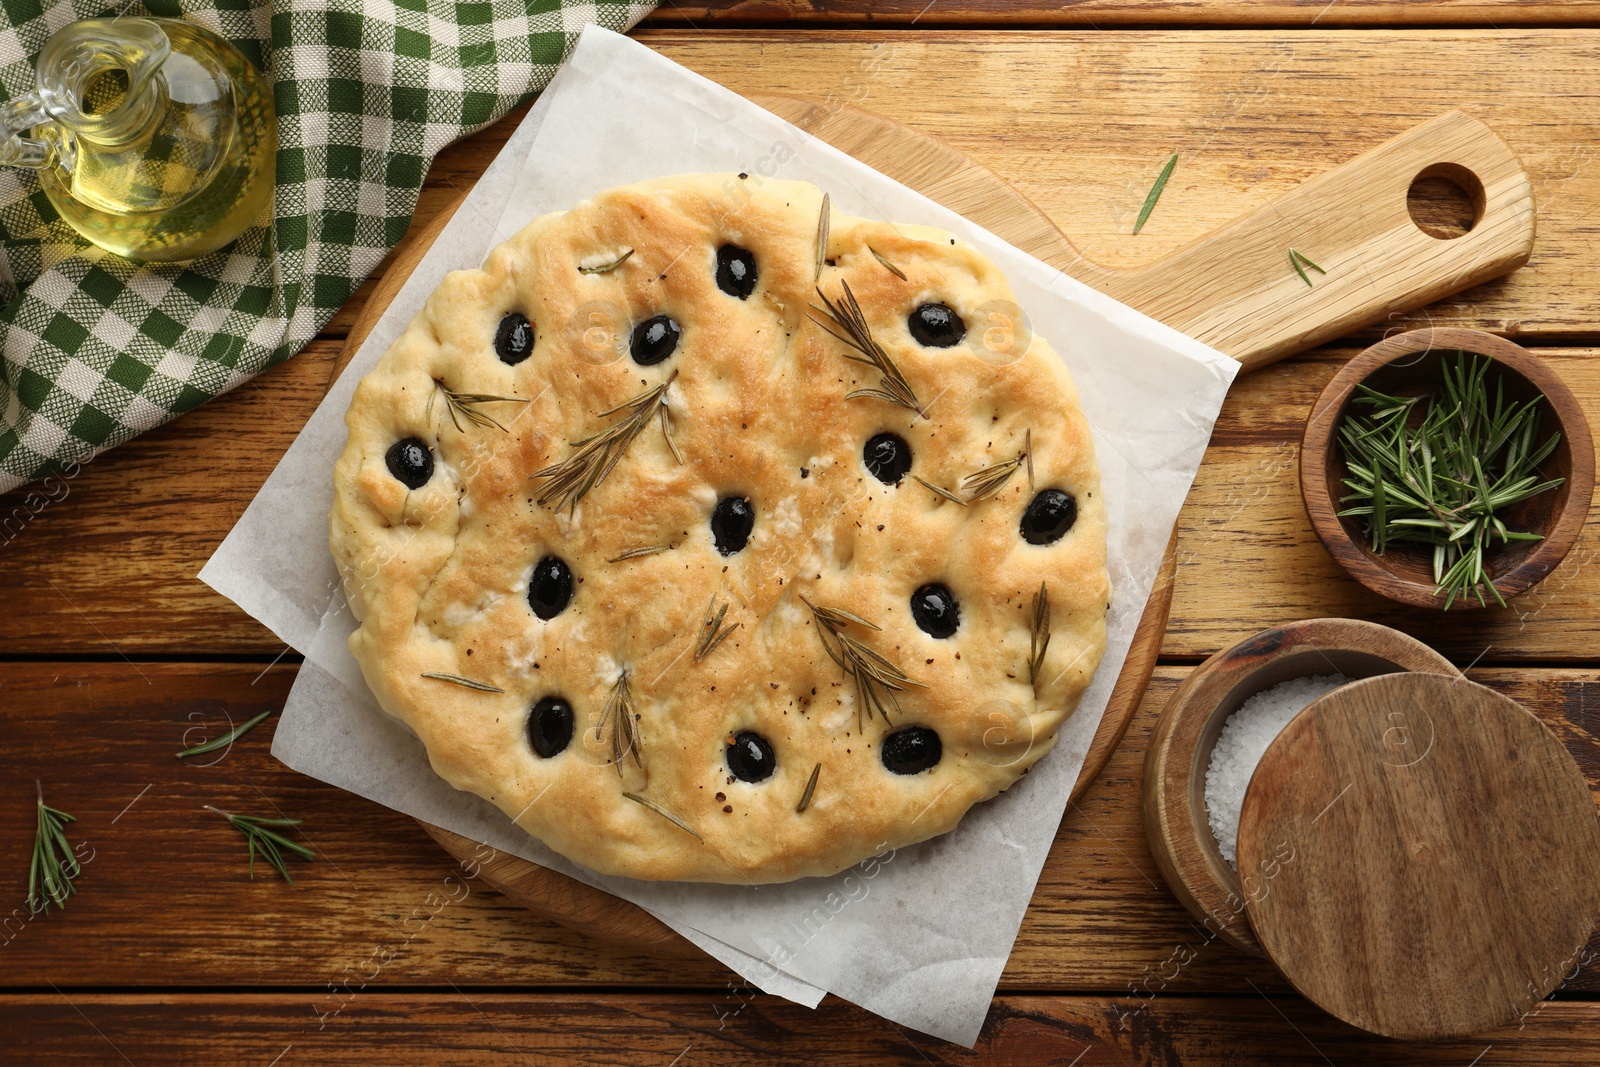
69	66
18	116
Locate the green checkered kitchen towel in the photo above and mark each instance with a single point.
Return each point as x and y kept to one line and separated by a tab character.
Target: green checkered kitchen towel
97	349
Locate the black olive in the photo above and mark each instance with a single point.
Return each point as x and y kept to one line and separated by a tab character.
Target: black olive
887	458
731	523
410	461
1049	516
750	757
514	338
935	609
736	271
654	340
937	326
911	750
550	587
550	726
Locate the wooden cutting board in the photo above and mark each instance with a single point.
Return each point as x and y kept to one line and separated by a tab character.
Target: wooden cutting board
1235	289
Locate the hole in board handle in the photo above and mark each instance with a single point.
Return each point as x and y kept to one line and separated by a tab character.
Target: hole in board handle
1445	201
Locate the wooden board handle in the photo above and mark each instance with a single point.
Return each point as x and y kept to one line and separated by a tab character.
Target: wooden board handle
1236	290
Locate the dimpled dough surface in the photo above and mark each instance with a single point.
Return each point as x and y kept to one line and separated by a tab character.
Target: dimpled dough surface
439	575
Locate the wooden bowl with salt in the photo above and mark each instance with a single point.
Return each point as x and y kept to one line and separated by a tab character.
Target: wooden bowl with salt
1174	794
1410	364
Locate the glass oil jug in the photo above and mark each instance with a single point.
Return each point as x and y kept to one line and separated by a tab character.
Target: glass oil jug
153	138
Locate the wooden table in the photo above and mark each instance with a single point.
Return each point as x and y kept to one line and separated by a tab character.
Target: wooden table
385	950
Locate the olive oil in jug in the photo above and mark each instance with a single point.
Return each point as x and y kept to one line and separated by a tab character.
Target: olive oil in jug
153	138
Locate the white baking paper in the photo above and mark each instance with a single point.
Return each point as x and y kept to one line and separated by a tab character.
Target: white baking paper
918	936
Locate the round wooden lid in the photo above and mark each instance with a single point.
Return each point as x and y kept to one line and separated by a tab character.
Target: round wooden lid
1429	856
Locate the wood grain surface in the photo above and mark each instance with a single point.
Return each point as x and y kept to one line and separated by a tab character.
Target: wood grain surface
165	902
110	645
469	1027
1107	14
1429	852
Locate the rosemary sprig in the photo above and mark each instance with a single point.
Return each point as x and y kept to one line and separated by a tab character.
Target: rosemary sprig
1039	641
711	631
263	838
666	431
1155	193
811	787
456	679
877	680
665	814
890	267
846	315
571	479
823	220
991	480
465	406
1300	262
619	713
635	553
1434	471
938	491
54	864
607	268
228	738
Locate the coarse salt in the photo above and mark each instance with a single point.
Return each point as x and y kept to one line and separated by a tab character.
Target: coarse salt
1242	743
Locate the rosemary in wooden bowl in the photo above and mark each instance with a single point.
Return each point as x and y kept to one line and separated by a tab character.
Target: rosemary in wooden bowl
1447	468
1441	468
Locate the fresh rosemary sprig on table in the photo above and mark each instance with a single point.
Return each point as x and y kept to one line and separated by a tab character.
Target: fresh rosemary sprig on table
465	406
846	314
1299	261
1155	193
466	683
712	632
619	714
1439	481
1039	642
265	839
54	865
571	479
877	680
228	738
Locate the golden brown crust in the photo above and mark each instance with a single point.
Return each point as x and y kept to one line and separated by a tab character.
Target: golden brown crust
438	576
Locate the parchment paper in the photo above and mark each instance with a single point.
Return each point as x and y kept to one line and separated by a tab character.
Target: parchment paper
920	936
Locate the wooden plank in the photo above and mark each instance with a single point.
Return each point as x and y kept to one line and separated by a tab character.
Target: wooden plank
165	900
1082	122
1106	14
473	1027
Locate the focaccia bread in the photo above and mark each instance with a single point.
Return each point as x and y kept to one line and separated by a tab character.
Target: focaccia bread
704	532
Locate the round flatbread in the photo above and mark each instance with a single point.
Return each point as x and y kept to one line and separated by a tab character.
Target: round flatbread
709	546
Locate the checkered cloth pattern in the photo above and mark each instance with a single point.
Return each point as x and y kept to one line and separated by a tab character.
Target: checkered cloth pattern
98	349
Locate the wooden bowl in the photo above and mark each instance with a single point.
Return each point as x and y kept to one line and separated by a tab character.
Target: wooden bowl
1174	793
1409	364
